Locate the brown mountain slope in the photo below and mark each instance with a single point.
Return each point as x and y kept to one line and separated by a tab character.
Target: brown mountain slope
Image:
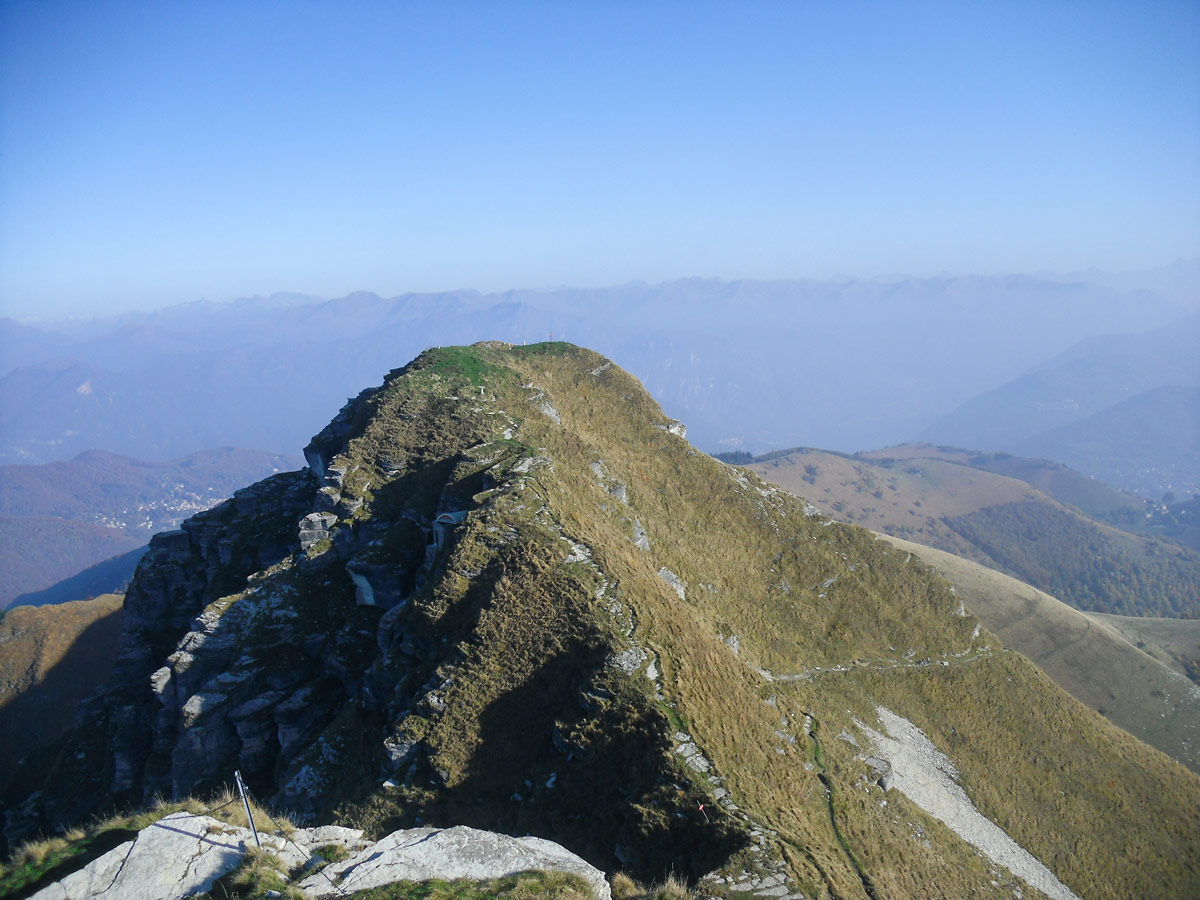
1083	652
912	501
1001	522
1061	482
50	658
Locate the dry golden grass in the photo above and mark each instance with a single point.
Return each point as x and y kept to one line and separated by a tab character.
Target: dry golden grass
51	657
1085	653
798	593
672	887
1173	642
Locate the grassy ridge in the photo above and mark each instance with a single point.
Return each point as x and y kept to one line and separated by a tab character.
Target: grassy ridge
797	593
945	501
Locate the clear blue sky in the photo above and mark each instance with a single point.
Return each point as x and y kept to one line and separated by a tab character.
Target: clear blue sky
153	153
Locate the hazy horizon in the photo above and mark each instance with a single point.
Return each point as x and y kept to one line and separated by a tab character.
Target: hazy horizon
156	154
1122	281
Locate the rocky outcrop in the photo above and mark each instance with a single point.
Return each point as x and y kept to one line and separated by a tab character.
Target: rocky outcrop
184	854
322	633
177	856
165	722
674	427
455	619
421	854
915	767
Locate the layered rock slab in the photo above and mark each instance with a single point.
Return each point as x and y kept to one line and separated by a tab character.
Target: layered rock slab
421	854
183	854
177	856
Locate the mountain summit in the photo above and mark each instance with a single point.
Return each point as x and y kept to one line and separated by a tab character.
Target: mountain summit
507	593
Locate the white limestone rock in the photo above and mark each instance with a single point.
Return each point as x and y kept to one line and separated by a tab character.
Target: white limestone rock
674	581
640	540
419	854
177	856
920	771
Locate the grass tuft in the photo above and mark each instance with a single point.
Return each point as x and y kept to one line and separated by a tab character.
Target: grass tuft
260	875
625	887
522	886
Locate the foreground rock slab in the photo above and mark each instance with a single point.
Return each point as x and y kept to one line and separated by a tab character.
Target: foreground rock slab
182	855
177	856
420	854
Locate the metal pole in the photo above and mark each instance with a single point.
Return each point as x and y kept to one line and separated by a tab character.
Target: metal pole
237	776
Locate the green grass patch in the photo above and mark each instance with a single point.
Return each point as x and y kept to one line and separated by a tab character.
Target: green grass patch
260	875
467	362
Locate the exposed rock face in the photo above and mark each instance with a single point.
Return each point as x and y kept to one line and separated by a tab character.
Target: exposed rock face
164	722
913	765
419	854
177	856
182	855
275	635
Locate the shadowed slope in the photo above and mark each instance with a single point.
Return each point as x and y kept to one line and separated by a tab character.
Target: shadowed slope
50	659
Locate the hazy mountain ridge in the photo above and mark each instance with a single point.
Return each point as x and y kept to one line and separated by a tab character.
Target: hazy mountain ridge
1149	443
745	361
1099	406
606	630
1177	282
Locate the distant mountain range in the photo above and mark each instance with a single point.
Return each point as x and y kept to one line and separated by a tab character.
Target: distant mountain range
1124	408
1149	443
1178	282
753	364
57	519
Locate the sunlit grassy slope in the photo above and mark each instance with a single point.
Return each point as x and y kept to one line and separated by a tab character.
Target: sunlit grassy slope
1173	642
1086	653
792	592
1001	521
50	658
1064	484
